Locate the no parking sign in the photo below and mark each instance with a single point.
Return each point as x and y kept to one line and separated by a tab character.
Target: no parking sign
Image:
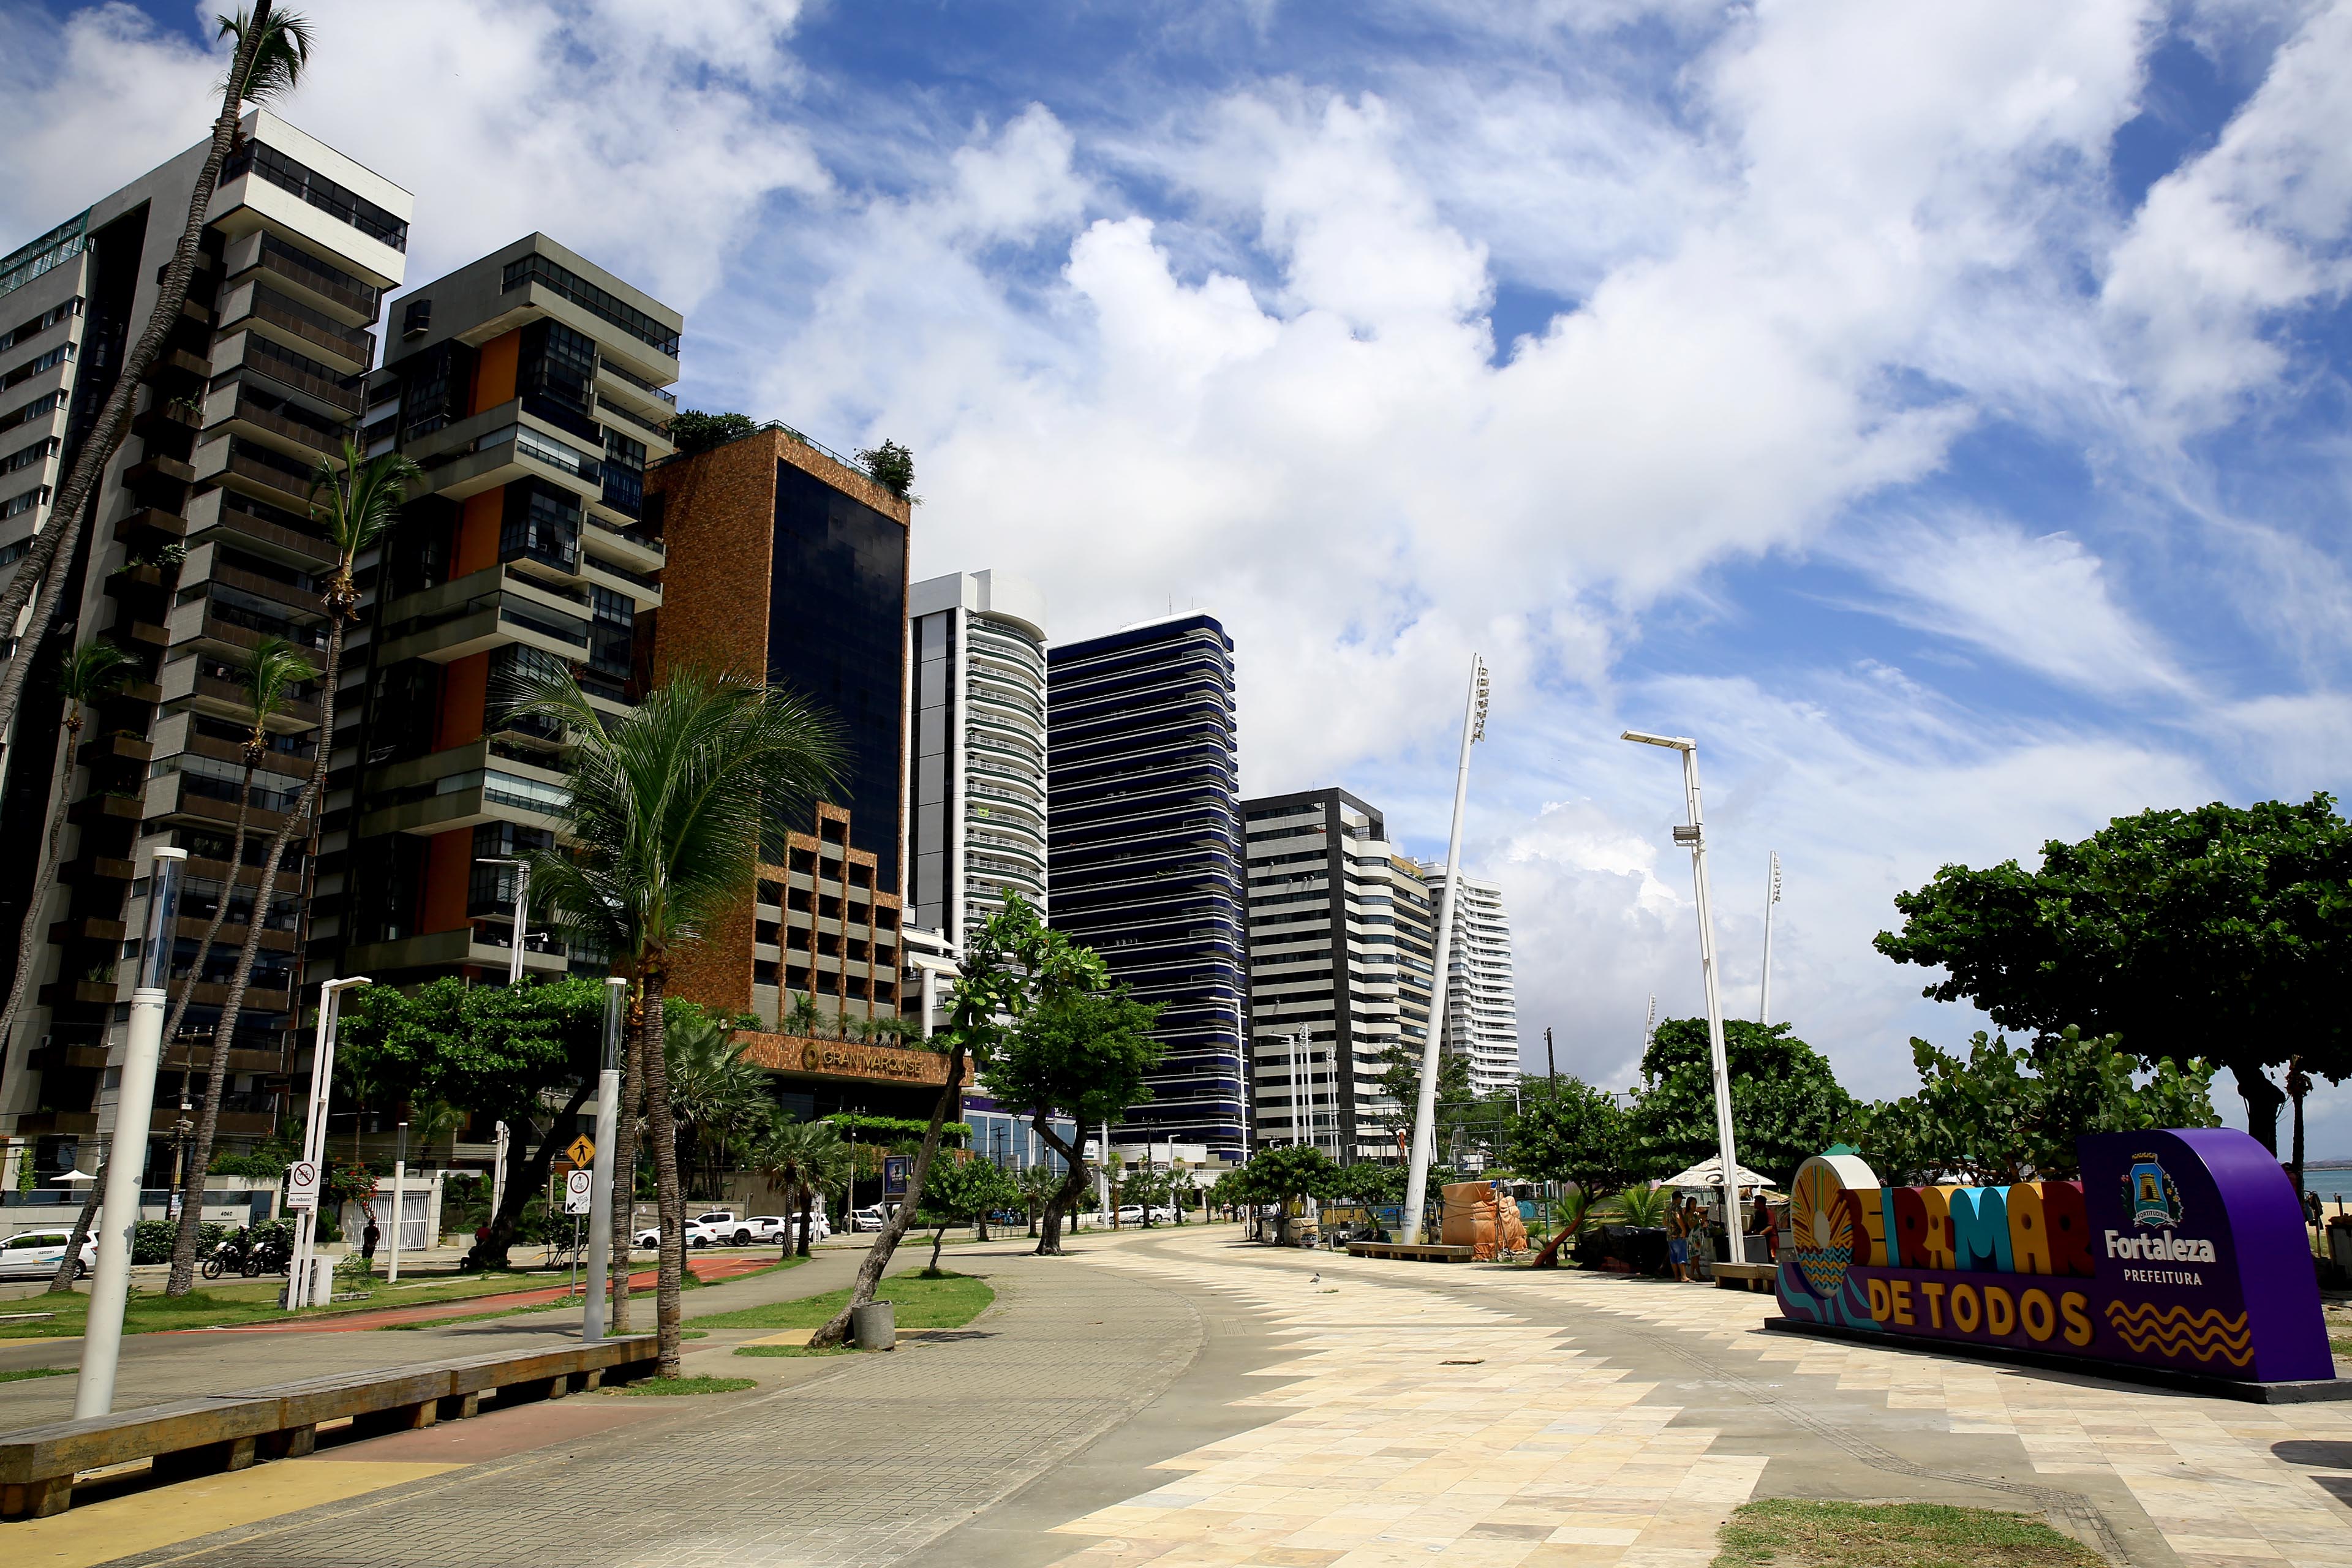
302	1185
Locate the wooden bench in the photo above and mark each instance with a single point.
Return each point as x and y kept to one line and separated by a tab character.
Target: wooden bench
1747	1275
1409	1252
230	1431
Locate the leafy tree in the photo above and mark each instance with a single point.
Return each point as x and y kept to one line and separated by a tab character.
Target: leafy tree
1370	1184
1580	1135
893	468
670	807
1401	1087
1083	1052
2220	932
691	430
1786	1104
503	1052
719	1102
1286	1174
1038	1185
2008	1115
803	1160
1009	965
354	499
965	1191
271	52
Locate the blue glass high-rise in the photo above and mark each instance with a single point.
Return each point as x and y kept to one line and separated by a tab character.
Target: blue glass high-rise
1144	855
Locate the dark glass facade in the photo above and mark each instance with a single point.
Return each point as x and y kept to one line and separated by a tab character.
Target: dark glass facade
1145	856
836	635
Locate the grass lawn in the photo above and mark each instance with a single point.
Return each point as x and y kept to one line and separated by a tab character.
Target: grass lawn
689	1283
947	1301
658	1386
254	1300
1787	1533
21	1373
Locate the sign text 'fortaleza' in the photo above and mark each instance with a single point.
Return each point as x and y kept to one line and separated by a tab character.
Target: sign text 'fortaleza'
2183	1249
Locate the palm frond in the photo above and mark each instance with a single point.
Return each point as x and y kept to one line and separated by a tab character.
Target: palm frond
268	677
359	498
92	670
280	56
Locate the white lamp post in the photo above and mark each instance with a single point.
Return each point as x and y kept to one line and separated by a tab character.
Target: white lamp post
300	1288
126	1160
1424	1120
600	1185
523	910
399	1193
1771	897
1695	836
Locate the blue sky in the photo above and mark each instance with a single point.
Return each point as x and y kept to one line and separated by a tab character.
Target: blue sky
1938	411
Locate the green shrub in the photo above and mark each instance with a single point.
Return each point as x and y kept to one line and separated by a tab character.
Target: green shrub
151	1242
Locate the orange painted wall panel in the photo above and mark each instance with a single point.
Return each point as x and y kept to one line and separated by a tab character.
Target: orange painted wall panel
478	532
448	869
494	371
464	684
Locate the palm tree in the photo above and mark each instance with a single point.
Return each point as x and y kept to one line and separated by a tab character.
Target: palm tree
269	675
671	806
92	671
802	1159
355	500
718	1101
271	51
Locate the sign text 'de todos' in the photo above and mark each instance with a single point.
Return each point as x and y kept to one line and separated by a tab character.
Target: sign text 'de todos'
2180	1249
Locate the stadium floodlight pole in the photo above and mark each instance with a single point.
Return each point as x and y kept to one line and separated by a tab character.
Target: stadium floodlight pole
1424	1118
1695	836
602	1177
126	1160
1771	897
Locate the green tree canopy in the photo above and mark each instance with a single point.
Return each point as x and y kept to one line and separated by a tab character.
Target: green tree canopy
1786	1103
2012	1115
2224	933
1288	1173
965	1191
1578	1135
692	430
494	1050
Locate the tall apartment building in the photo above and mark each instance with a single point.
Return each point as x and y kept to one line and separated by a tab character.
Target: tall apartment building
1323	962
199	543
976	808
1482	1013
788	564
529	388
1145	854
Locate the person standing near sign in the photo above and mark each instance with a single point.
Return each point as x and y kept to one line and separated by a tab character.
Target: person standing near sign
368	1239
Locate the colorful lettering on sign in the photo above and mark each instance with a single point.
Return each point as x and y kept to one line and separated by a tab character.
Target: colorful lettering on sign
2182	1250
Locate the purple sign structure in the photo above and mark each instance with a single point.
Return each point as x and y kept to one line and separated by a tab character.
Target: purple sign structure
2183	1250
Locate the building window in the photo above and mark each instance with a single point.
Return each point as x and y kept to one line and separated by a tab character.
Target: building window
598	302
555	376
317	190
543	524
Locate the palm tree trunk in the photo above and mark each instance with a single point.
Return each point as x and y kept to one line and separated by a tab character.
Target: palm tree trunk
624	1178
669	1281
28	942
80	489
183	1277
877	1259
63	1279
808	1209
200	1153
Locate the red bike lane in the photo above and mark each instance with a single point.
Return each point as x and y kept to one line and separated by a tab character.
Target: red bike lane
708	1270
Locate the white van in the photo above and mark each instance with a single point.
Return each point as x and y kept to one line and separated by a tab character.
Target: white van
33	1254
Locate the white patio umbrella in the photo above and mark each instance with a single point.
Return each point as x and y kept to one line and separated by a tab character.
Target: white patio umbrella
71	1177
1709	1173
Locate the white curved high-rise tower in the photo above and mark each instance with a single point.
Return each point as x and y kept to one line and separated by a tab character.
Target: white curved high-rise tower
976	796
1483	1013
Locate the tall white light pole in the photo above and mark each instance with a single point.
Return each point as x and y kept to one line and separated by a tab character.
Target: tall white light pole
522	908
600	1181
126	1160
1696	836
1424	1119
399	1196
298	1285
1771	897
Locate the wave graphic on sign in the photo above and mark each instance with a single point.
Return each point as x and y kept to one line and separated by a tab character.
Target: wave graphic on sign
2173	1333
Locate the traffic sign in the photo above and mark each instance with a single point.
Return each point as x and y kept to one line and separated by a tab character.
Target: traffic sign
583	1151
302	1185
579	1188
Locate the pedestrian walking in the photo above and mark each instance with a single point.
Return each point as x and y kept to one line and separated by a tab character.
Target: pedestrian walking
368	1239
1678	1229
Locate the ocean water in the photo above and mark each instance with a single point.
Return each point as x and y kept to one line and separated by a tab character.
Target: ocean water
2334	1186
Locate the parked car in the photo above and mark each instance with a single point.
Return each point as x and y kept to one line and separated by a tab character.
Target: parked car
697	1234
33	1254
868	1219
785	1227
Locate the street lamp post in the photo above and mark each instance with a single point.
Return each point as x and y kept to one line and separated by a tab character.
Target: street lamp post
299	1285
1771	897
522	908
600	1182
1424	1120
399	1195
126	1161
1695	836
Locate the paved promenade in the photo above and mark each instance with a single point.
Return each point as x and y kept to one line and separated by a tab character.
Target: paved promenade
1183	1399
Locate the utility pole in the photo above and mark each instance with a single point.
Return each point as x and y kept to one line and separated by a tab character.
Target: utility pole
399	1193
1424	1120
1695	836
1771	897
126	1160
1551	1064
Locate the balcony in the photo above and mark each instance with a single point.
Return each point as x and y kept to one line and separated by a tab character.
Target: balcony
348	349
448	949
258	471
213	801
159	470
218	509
86	928
289	368
145	526
277	422
213	685
316	282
